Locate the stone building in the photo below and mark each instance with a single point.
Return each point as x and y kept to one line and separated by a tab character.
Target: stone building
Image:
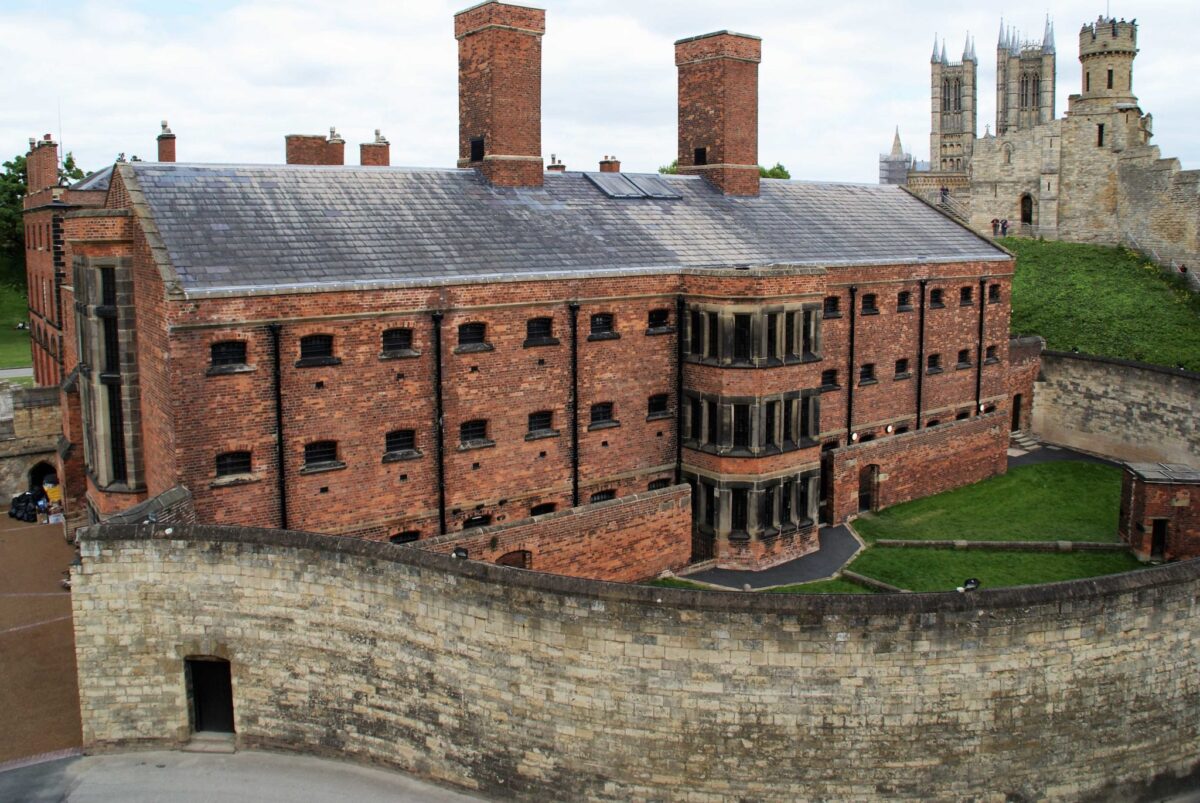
396	353
1090	176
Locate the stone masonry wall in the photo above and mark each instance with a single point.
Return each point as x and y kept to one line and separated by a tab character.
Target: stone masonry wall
919	463
521	685
622	541
1125	410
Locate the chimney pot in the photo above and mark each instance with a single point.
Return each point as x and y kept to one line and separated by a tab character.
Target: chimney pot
718	109
500	92
166	144
610	164
377	153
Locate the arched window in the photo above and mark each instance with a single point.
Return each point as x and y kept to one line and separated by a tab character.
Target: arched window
1035	100
957	95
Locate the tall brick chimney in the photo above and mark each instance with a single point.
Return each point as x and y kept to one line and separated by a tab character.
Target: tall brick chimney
314	149
610	164
41	164
718	109
377	153
166	144
500	92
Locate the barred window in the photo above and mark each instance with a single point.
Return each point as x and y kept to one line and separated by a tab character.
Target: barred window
602	323
543	509
319	452
993	293
866	373
400	440
868	304
966	296
934	362
541	421
658	319
901	368
936	297
473	430
228	352
602	412
314	347
539	328
829	378
659	484
657	404
233	463
904	300
603	496
398	339
406	537
471	333
832	307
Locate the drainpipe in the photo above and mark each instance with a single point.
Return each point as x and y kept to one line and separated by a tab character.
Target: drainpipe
921	352
979	346
850	373
439	423
679	315
277	375
573	308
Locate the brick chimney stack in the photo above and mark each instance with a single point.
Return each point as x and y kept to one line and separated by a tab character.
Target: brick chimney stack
500	92
314	149
377	153
41	164
166	144
718	109
610	164
555	166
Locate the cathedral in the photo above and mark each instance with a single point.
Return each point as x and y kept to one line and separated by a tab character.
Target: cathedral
1089	176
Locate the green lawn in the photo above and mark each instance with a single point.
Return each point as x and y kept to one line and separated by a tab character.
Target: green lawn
14	343
1062	501
675	582
1103	301
946	569
834	586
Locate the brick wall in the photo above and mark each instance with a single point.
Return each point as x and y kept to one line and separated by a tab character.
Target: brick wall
1177	503
522	685
623	541
1120	409
918	464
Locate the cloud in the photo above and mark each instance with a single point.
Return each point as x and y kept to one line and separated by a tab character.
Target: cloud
233	77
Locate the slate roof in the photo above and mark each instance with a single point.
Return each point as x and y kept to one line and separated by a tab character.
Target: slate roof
95	181
1171	473
250	228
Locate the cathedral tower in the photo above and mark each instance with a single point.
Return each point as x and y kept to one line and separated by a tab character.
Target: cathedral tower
1106	52
953	89
1025	80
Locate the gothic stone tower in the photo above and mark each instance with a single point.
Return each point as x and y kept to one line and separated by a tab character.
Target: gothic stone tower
1025	77
953	92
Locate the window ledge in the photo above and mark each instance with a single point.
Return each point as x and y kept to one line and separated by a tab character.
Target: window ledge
603	425
904	308
829	388
993	301
604	336
828	315
474	348
862	383
539	434
399	354
479	443
534	342
870	311
962	366
230	480
225	370
966	303
739	536
811	356
932	371
311	362
991	361
903	375
660	416
321	468
110	378
938	305
402	455
660	330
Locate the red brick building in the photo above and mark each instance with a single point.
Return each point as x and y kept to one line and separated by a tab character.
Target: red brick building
397	353
1160	510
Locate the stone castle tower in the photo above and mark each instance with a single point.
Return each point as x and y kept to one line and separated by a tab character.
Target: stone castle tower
953	88
1025	80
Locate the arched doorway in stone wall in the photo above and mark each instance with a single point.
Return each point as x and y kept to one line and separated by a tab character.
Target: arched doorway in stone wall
38	474
1027	209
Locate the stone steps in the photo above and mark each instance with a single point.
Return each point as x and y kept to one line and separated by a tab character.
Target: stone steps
1022	440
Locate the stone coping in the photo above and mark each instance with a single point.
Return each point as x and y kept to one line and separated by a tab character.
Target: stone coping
1145	366
1006	546
1075	591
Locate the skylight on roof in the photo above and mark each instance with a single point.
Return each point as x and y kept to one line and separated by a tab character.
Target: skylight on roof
619	185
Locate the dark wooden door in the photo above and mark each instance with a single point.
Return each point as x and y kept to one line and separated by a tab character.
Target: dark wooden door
212	695
1158	540
1026	209
868	479
1016	412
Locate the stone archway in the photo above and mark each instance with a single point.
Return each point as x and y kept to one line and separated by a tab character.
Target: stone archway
1027	209
38	473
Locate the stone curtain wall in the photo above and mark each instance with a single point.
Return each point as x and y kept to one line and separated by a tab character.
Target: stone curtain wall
1158	205
532	686
622	541
1124	410
921	463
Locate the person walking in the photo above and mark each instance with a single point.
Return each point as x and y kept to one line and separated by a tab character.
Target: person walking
995	227
1004	227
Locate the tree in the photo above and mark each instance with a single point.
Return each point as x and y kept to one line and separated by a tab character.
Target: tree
778	171
670	169
70	172
13	185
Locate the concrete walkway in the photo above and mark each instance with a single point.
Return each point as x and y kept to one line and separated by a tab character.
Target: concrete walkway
170	777
1050	454
15	373
838	547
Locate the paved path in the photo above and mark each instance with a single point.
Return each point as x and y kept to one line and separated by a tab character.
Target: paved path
170	777
838	547
1049	454
14	373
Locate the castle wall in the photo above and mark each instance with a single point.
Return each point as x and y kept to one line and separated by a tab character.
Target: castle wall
1024	162
1158	205
1120	409
529	686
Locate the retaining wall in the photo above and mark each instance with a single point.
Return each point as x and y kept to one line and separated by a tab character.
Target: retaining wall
533	686
1125	410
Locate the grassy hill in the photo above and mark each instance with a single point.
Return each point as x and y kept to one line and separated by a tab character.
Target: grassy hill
1104	301
14	343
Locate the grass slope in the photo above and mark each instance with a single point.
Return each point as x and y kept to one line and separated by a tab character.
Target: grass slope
946	569
14	343
1061	501
1104	301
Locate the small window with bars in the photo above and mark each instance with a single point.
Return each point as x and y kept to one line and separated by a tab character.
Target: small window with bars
602	326
829	379
657	406
742	341
602	413
541	422
397	341
902	371
866	373
832	307
868	304
540	332
543	509
405	537
937	298
993	294
659	484
966	296
319	453
472	334
933	363
964	358
991	355
602	496
233	463
741	426
400	440
475	431
904	301
316	350
658	321
228	353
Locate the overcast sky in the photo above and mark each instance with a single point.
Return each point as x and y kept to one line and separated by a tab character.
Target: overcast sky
234	76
